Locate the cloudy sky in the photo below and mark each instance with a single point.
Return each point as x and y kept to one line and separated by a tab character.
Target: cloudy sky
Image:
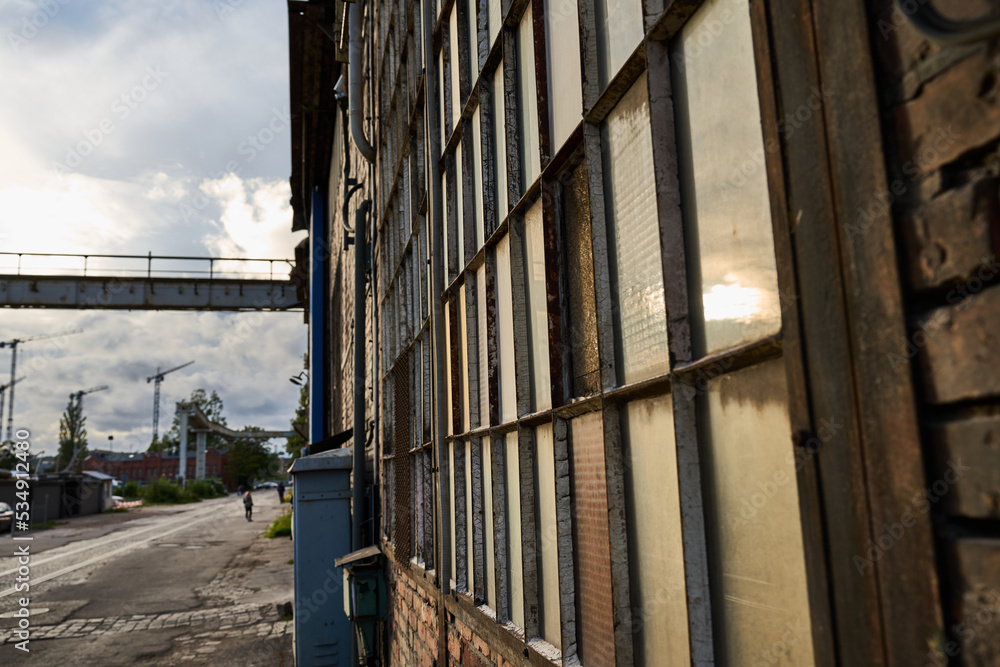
130	126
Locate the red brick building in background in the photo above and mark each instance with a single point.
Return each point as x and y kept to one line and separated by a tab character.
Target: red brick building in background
144	467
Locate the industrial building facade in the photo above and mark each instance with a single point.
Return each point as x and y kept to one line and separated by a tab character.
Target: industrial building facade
676	323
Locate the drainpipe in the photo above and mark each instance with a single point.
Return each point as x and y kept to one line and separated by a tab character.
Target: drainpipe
318	250
360	255
437	288
354	83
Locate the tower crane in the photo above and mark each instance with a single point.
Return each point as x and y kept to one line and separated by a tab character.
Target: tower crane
78	395
12	344
156	393
4	387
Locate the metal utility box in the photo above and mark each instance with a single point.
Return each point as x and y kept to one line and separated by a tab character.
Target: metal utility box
321	526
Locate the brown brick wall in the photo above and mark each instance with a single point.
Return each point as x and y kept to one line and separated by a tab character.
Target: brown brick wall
941	126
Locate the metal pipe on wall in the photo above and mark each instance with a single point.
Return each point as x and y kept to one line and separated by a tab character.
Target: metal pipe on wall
354	83
437	288
358	459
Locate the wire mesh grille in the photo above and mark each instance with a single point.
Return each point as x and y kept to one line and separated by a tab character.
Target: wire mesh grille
402	502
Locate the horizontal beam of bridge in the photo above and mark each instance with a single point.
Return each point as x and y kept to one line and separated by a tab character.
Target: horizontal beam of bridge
113	293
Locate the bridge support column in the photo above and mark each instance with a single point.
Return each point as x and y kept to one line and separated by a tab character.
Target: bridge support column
199	466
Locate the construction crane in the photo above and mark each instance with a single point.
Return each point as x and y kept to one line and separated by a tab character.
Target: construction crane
78	396
156	393
12	344
3	388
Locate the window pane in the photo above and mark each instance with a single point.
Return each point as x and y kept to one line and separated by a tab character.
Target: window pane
530	158
495	20
489	548
484	361
580	273
463	342
469	525
444	101
513	479
477	177
451	499
500	143
473	38
548	584
505	324
562	27
637	268
538	319
456	109
460	207
618	34
447	361
591	541
749	467
654	526
724	183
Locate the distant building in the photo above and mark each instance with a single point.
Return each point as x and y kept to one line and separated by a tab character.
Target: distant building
144	467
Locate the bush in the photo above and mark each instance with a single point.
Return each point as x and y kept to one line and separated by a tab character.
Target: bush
131	489
202	488
281	526
164	492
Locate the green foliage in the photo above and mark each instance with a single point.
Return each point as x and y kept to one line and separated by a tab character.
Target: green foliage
280	526
212	406
250	459
72	437
295	443
131	489
162	491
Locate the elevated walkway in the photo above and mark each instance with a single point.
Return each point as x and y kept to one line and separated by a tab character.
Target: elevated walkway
146	282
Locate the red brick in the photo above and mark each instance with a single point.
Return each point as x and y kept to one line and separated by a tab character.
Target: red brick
465	631
481	645
454	647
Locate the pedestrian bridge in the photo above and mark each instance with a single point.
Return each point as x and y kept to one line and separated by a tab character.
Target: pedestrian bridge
146	282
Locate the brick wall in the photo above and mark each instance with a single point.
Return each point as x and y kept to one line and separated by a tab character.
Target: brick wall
941	125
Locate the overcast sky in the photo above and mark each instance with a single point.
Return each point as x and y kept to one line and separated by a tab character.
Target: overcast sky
130	126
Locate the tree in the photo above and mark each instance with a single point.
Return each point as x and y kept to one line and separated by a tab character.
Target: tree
72	436
295	443
250	459
211	405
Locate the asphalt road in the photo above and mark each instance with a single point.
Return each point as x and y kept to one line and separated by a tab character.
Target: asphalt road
170	585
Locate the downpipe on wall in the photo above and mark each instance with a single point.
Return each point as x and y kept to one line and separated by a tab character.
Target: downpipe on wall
358	455
354	83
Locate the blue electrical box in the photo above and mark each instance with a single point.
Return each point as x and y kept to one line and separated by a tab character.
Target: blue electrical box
321	527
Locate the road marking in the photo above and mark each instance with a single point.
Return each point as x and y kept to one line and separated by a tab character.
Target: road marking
127	547
101	542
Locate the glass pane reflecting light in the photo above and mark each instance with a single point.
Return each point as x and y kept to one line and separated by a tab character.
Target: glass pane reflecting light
725	193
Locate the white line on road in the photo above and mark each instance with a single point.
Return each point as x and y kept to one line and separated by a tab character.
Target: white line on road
102	542
127	547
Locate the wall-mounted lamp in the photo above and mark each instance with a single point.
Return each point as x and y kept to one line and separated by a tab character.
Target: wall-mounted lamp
299	379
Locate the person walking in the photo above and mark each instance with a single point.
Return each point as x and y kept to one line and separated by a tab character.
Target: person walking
248	504
281	493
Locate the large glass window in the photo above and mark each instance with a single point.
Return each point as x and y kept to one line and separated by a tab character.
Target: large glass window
528	101
538	319
562	29
721	149
619	31
637	266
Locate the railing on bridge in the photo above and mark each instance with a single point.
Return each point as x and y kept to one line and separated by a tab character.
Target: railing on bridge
143	266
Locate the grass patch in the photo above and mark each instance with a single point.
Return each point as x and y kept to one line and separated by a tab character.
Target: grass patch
287	617
281	526
291	561
116	510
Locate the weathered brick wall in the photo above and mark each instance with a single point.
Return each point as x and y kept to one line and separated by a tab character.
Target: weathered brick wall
941	125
